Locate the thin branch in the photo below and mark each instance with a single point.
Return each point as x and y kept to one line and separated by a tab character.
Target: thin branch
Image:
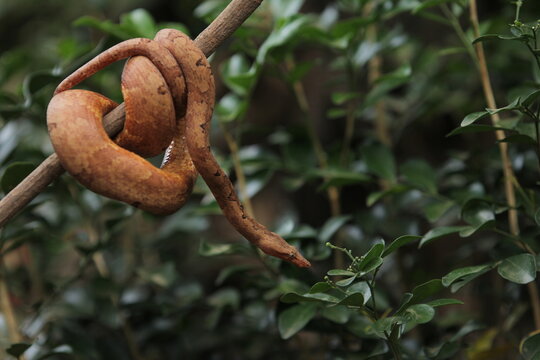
374	73
237	164
508	172
6	307
208	40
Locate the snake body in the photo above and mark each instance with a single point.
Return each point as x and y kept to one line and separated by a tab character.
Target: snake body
154	83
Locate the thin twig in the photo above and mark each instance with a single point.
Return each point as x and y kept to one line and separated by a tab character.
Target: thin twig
508	172
237	164
374	73
320	154
215	34
6	308
332	192
242	189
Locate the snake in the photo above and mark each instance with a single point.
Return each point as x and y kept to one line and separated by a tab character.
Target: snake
169	93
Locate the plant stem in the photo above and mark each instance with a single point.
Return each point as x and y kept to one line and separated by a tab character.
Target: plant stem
536	58
103	269
517	241
242	189
7	309
518	3
508	172
461	34
392	344
332	192
237	164
374	73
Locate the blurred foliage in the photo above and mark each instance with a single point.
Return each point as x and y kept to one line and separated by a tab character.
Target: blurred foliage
363	136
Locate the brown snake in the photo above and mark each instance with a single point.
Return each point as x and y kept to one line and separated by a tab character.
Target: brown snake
155	86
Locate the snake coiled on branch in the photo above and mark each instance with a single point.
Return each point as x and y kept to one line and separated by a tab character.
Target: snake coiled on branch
169	92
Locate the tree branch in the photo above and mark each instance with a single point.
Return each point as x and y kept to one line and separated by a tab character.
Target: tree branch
508	171
208	40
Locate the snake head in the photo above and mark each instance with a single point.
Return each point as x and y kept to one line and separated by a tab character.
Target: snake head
274	245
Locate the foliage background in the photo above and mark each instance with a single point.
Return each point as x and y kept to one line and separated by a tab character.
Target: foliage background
89	278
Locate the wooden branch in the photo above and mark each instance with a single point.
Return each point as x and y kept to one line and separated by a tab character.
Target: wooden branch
208	40
508	171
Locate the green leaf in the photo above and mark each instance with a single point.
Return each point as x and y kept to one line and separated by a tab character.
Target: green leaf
520	139
317	297
436	208
471	118
399	242
299	71
529	347
140	22
456	274
17	349
225	297
293	319
210	9
421	175
403	72
427	4
228	271
340	272
164	275
299	232
425	290
440	232
419	294
372	259
107	27
338	177
514	105
444	302
236	75
338	314
361	287
419	313
478	213
537	217
486	37
209	249
380	161
285	8
462	276
345	28
320	287
386	83
340	98
474	128
520	269
528	100
346	282
230	107
14	174
385	324
393	189
354	299
285	31
331	226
